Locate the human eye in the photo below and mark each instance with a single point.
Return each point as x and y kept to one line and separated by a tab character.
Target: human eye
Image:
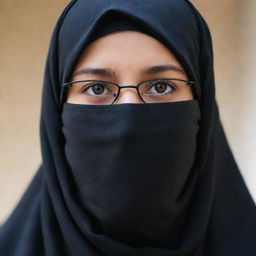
96	89
161	87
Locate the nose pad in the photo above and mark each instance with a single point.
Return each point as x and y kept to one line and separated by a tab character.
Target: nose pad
128	95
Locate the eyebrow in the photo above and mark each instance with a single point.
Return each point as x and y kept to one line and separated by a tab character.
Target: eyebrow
106	72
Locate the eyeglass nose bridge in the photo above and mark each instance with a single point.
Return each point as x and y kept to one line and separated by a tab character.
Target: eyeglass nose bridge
127	86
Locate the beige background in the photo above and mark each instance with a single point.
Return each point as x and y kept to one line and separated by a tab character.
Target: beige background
25	30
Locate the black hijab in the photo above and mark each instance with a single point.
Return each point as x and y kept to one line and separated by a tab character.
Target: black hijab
218	213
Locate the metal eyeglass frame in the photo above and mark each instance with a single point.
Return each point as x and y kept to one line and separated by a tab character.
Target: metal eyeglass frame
187	82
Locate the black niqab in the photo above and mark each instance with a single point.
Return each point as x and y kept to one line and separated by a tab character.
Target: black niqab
52	219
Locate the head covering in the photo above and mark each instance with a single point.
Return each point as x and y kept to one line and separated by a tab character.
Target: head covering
219	213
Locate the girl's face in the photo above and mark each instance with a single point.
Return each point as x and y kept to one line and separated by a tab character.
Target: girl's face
127	58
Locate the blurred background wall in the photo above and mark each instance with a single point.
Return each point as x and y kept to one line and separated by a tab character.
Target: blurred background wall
25	30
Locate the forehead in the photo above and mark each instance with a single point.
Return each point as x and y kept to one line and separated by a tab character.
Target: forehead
126	47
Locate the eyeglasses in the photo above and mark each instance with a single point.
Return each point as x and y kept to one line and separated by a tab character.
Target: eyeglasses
150	91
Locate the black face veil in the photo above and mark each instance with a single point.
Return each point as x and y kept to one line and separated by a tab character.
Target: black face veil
216	212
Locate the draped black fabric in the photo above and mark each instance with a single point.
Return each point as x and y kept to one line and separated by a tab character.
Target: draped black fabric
218	215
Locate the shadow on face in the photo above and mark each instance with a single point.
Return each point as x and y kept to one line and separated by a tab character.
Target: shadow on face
127	58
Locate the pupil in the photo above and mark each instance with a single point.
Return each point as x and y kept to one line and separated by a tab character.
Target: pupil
160	88
97	89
